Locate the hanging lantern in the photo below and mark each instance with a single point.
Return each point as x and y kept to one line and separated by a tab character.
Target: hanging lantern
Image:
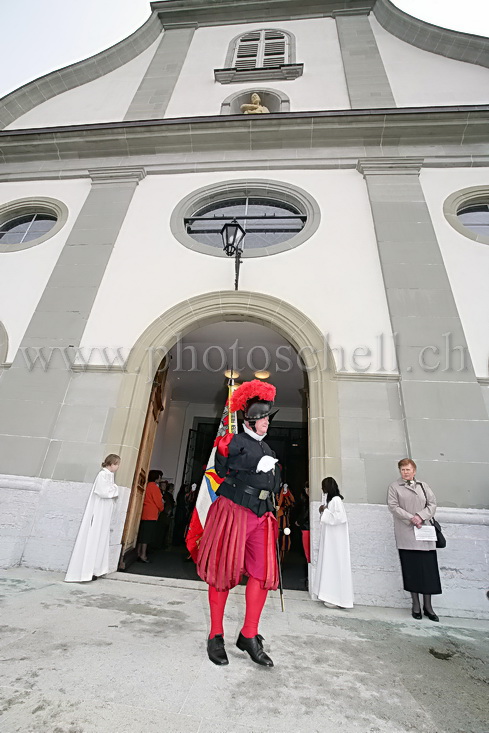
232	235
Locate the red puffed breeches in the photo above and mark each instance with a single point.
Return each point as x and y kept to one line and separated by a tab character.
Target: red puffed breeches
237	542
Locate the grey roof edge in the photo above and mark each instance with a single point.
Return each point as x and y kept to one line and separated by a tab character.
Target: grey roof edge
226	12
35	92
442	41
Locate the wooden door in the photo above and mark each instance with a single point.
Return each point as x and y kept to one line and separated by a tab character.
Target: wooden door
131	527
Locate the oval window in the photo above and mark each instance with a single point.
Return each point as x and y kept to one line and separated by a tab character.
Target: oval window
475	217
25	228
266	222
276	217
25	223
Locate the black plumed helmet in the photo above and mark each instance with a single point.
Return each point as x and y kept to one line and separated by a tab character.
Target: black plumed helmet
254	398
256	409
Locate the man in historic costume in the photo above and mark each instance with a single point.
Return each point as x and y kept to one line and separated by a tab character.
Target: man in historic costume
285	502
240	532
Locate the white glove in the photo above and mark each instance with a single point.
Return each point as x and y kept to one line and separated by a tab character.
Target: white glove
266	463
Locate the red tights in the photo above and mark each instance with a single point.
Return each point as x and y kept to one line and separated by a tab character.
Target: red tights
255	600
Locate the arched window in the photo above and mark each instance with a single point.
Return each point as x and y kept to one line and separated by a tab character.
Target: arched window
268	49
268	53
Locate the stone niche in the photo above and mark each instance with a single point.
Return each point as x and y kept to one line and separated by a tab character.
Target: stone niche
274	100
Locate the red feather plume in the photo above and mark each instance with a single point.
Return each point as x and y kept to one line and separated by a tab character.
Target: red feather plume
247	390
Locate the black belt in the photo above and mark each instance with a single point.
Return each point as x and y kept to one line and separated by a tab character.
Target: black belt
262	494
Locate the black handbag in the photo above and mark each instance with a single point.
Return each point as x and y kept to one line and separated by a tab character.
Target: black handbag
440	537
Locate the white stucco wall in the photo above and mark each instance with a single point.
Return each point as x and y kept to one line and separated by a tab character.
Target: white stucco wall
106	99
322	85
24	274
419	78
467	262
334	277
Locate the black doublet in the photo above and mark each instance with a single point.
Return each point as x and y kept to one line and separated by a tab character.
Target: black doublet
239	469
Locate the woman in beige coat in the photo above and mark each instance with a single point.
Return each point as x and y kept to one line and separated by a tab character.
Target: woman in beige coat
413	504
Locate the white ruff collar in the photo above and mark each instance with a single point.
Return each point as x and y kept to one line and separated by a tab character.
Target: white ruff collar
252	434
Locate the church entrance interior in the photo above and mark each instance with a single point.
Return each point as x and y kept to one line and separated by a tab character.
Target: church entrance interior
186	405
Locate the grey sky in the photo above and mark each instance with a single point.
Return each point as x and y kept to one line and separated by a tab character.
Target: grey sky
39	36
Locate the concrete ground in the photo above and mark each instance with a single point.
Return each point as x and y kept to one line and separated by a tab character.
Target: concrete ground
126	654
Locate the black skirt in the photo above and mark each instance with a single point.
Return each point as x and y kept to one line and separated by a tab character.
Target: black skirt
147	531
420	571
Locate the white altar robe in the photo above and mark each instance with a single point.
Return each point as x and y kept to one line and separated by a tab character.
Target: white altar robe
332	578
91	551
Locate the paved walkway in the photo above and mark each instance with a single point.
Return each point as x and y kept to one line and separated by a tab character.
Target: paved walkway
127	655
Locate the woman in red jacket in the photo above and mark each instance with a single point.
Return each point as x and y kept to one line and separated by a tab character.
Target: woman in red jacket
152	506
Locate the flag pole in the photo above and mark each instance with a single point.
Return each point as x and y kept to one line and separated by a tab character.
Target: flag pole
279	568
280	585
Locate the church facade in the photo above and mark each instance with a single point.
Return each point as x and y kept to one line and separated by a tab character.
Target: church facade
351	142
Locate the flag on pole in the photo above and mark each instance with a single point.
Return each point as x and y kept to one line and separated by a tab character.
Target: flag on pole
210	482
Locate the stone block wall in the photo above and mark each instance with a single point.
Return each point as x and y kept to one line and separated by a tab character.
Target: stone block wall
372	437
41	519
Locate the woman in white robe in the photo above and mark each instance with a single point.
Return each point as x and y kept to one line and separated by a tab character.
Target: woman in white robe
90	557
332	578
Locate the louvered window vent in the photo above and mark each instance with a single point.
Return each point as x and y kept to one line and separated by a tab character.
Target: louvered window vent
264	54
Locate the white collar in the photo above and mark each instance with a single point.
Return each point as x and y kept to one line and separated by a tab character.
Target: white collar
252	434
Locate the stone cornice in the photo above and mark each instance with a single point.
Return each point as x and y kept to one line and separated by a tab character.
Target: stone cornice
366	377
452	44
21	483
455	515
338	134
389	166
123	174
161	165
351	11
446	515
226	12
98	368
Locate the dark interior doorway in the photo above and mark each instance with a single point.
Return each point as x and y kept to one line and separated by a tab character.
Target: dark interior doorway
290	443
185	435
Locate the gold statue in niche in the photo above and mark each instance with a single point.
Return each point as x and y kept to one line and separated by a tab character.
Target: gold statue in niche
256	107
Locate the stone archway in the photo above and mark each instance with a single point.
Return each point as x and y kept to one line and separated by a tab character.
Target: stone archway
3	344
324	445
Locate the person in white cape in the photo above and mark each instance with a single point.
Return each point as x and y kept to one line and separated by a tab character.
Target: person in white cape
90	556
332	579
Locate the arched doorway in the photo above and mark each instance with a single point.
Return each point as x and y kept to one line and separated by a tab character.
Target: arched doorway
210	308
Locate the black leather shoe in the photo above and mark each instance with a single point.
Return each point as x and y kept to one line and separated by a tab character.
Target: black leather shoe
254	647
216	651
417	615
431	616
